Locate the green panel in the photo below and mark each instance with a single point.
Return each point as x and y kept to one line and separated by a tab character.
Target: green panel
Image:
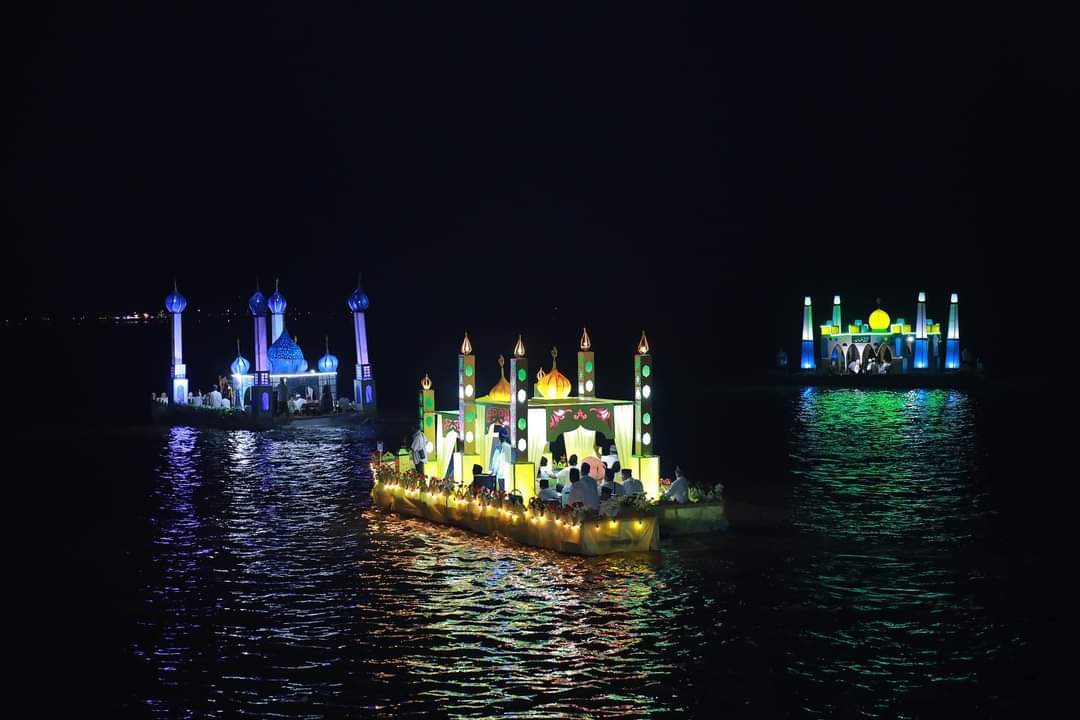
429	421
469	371
588	366
522	375
521	423
646	370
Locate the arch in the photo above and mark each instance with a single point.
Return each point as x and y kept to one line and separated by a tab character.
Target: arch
885	354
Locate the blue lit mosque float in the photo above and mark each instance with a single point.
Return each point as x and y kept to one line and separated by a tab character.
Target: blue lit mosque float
280	387
530	417
882	347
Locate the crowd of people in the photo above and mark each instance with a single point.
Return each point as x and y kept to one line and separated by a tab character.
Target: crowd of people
574	483
223	396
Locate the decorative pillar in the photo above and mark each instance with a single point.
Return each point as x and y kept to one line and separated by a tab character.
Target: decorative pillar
276	304
586	367
952	343
262	405
524	471
328	364
364	384
428	420
826	356
645	458
467	410
807	360
239	367
175	304
921	361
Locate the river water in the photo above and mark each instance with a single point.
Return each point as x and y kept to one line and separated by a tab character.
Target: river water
872	570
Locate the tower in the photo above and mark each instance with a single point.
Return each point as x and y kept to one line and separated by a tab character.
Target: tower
276	305
519	422
648	463
836	317
807	360
467	410
952	343
262	406
428	419
175	304
239	368
921	360
364	384
586	367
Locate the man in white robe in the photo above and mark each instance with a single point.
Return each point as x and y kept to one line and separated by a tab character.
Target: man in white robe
583	490
680	488
418	450
215	398
630	484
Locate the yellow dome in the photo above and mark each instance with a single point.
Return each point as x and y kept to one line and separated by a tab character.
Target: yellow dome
879	320
500	392
553	385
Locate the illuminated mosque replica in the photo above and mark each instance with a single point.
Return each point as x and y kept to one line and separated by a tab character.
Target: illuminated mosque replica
279	360
464	436
881	345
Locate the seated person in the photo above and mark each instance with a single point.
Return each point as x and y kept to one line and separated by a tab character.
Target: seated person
605	493
583	490
547	493
612	457
630	484
680	489
482	479
564	474
609	485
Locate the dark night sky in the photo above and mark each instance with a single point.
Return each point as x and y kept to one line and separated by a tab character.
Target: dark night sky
705	167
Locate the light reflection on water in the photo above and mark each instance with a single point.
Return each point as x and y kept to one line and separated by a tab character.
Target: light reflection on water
271	586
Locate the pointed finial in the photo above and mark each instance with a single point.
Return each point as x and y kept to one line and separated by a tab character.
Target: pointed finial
540	374
879	302
358	277
174	287
554	357
466	346
519	348
643	344
586	343
237	347
327	344
257	288
502	365
425	383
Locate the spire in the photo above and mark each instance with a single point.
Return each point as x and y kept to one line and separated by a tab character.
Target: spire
276	280
502	366
519	348
327	344
466	346
554	357
425	383
586	343
643	344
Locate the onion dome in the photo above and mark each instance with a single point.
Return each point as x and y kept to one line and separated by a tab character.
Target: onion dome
276	303
175	302
358	301
554	385
501	390
328	362
257	304
879	319
285	356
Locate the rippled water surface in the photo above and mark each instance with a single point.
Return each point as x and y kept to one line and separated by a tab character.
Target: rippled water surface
260	582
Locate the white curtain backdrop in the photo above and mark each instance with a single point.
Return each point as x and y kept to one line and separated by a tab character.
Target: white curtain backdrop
624	433
537	434
580	442
445	448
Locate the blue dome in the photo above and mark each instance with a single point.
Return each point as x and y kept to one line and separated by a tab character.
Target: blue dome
257	304
276	303
358	301
328	363
175	302
240	365
285	356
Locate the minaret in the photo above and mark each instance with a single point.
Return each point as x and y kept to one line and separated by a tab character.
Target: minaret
467	411
648	463
807	361
239	368
428	420
364	384
175	304
952	343
328	363
276	304
524	472
921	361
836	317
586	367
261	391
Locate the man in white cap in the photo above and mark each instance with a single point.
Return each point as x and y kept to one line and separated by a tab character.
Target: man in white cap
612	457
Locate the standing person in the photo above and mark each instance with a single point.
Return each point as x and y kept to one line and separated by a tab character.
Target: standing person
282	396
563	477
418	449
215	398
506	461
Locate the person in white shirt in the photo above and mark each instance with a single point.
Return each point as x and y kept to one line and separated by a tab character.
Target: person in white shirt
547	493
544	473
506	464
215	398
563	477
418	449
226	403
583	490
630	484
164	399
680	489
612	457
